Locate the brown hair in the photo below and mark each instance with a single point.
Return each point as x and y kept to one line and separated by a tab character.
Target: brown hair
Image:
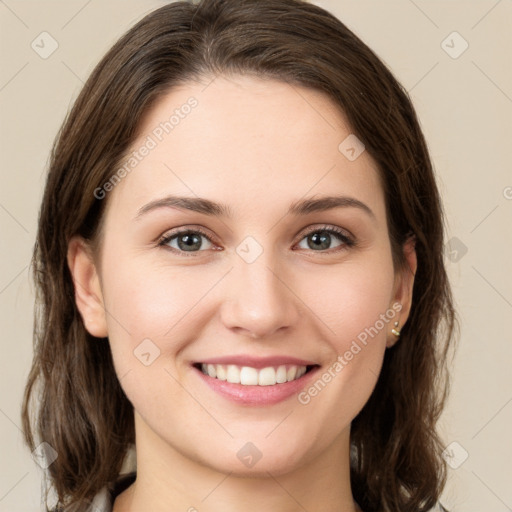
82	412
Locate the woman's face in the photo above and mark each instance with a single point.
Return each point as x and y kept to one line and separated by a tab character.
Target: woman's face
263	285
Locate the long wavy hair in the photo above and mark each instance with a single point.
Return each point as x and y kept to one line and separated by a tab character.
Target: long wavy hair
73	400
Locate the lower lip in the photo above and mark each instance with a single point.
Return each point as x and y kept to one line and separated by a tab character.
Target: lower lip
257	395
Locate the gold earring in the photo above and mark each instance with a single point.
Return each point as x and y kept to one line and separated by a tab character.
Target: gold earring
396	331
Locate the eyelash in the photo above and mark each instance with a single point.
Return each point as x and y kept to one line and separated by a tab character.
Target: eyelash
342	236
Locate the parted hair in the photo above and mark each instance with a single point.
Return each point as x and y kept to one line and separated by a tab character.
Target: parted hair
73	400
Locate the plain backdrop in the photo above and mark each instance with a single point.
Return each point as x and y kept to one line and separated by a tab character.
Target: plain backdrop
454	59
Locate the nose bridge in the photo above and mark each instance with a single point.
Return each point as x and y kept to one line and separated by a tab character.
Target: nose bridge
260	302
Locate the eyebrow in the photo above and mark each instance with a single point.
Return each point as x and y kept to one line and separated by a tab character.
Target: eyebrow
211	208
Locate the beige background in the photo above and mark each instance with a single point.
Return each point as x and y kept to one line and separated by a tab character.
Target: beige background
465	106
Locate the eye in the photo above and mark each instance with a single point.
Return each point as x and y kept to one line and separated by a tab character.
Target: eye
188	240
191	240
321	238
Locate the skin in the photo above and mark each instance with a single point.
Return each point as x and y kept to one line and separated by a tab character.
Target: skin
257	146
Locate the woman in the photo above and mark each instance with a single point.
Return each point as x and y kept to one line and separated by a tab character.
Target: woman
240	272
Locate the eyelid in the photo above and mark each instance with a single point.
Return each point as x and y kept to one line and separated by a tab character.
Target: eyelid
344	233
168	235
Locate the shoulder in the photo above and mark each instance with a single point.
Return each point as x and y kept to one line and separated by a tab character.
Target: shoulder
103	501
438	508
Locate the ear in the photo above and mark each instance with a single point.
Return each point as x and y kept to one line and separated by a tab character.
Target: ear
88	294
404	282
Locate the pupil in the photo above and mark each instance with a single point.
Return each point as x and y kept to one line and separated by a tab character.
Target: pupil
189	241
322	239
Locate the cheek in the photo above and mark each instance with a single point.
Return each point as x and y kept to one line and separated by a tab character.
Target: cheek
150	314
150	301
353	297
355	306
144	306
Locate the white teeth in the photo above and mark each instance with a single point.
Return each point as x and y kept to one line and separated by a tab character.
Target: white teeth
281	374
248	376
267	376
233	374
291	373
221	372
212	371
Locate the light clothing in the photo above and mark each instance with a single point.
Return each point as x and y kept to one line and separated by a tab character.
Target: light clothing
104	500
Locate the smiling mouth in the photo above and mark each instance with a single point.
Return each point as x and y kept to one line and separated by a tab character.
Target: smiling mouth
249	376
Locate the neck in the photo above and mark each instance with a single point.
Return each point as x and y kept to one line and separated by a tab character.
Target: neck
168	480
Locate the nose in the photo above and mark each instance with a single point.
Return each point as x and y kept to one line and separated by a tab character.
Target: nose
260	299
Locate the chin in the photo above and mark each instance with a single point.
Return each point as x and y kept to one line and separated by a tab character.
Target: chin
252	459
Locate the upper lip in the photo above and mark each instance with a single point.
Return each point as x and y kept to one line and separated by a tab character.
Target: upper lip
257	362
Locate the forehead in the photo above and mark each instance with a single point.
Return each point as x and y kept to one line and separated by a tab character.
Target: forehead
245	141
